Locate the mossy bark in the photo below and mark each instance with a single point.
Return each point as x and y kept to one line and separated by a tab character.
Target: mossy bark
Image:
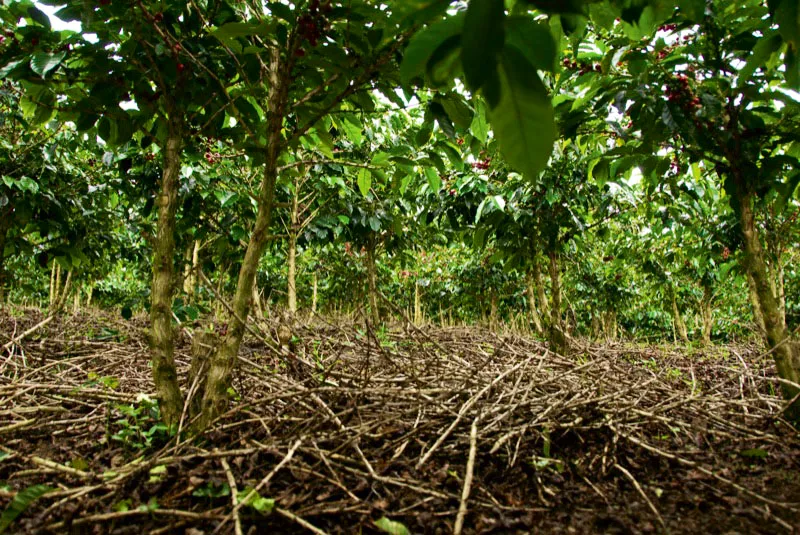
372	283
537	279
677	318
557	337
706	314
5	227
417	304
784	352
215	398
533	309
161	333
314	285
758	316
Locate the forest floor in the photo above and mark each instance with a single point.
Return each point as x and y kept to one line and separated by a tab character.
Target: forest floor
430	428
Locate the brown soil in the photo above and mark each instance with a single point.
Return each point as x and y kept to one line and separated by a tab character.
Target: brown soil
358	425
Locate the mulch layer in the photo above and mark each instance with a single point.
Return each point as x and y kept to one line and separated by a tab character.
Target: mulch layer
429	430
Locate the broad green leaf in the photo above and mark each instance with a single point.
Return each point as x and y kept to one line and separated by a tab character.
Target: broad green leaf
479	126
523	120
392	527
43	62
482	41
458	110
534	40
240	29
364	181
693	10
765	47
352	128
434	181
787	15
37	15
20	502
425	43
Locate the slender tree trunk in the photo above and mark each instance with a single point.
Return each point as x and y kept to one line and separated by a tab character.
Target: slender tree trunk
707	314
190	282
55	283
372	281
292	256
89	293
61	293
533	309
680	325
6	218
257	306
215	396
558	340
758	316
292	273
314	293
597	326
417	304
537	279
610	324
787	361
493	323
161	335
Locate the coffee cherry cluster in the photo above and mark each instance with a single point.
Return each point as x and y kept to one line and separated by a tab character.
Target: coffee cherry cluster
581	67
482	165
726	253
314	23
668	28
149	157
679	92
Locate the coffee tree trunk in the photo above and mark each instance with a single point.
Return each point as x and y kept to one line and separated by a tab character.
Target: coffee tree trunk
533	309
161	334
5	226
292	257
222	363
314	292
677	318
758	316
557	337
706	314
787	361
417	304
372	282
537	279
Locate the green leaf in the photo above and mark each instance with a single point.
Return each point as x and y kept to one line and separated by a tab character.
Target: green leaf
534	40
424	133
352	128
694	10
364	181
433	179
240	29
37	15
43	62
425	43
21	502
482	41
392	527
765	47
755	453
523	120
787	15
479	126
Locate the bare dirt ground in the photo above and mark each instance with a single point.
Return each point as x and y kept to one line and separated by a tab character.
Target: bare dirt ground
439	429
